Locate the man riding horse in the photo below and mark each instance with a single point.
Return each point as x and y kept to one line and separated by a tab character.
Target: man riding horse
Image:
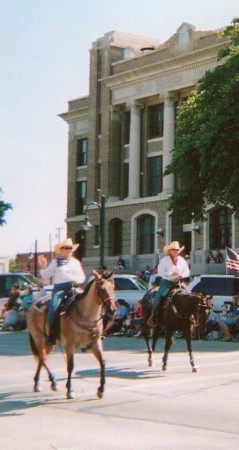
66	272
172	269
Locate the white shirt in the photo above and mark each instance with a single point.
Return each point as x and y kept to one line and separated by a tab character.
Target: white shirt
71	271
169	271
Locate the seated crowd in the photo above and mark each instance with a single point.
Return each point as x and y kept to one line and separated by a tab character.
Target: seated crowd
19	301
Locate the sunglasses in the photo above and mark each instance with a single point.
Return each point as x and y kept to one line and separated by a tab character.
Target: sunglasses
66	248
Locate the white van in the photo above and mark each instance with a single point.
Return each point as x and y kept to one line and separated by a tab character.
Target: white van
222	287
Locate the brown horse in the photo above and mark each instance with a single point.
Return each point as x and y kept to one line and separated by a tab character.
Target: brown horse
80	326
182	312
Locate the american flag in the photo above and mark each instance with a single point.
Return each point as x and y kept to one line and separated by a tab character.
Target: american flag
232	261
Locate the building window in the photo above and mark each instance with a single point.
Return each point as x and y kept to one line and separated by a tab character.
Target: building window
82	152
81	195
115	237
145	234
126	127
155	121
155	175
220	225
98	176
125	180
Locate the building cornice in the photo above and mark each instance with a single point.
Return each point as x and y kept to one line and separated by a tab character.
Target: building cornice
172	65
72	116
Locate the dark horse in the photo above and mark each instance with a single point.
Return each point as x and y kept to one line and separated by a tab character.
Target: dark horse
80	326
180	313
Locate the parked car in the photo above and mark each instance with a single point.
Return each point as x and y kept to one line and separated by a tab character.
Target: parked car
128	287
221	287
22	279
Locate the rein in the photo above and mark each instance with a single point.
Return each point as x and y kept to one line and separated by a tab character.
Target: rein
93	322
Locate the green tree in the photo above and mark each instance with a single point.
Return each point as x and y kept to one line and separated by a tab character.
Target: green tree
4	207
205	159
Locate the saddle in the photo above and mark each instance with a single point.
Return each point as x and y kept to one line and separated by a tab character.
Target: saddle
179	289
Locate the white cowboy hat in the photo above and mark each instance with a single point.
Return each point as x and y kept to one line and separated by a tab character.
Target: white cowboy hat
173	246
66	243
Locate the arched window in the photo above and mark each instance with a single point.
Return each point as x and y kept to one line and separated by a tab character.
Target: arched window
115	237
220	226
145	234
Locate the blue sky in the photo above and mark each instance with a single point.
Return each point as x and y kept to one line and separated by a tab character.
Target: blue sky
44	62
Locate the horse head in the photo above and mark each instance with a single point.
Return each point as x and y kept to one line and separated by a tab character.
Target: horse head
105	289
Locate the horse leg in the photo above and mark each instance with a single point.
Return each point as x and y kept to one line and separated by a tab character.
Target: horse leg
146	334
168	343
36	387
188	338
70	366
51	377
97	352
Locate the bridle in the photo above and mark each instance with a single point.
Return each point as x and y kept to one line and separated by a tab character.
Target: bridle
102	290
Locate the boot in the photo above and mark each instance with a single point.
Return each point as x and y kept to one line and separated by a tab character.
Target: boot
152	321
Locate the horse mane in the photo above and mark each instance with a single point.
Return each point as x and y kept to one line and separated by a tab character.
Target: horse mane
107	274
85	291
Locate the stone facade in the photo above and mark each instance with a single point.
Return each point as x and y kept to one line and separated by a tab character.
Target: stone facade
128	122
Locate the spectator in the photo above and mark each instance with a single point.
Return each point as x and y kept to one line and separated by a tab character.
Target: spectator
26	298
211	258
228	319
101	269
219	257
14	300
212	322
119	316
138	319
121	263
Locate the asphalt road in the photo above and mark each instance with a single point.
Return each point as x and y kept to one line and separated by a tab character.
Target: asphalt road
143	408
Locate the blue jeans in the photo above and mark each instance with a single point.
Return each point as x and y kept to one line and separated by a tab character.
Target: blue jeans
58	293
162	291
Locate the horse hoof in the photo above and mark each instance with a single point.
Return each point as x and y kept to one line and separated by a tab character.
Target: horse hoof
150	362
37	389
54	387
164	367
100	393
70	395
194	369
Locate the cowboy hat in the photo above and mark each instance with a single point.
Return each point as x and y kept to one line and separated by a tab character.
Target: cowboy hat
66	243
173	246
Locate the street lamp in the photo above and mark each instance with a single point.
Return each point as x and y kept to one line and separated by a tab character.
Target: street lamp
87	226
30	257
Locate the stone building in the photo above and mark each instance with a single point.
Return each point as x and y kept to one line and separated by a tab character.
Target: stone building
120	141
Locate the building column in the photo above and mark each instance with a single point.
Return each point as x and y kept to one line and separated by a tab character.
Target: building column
168	139
134	151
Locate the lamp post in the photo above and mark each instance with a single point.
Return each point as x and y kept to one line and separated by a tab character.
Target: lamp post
30	257
87	225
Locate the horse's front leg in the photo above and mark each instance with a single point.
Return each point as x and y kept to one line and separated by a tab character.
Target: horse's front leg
37	387
188	337
51	377
70	366
168	343
98	353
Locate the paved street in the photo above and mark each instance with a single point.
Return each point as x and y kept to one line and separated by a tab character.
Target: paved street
143	408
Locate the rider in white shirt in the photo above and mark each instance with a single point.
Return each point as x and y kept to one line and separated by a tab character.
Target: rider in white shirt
171	269
66	272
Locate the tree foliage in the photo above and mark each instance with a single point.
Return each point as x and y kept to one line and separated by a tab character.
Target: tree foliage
206	154
4	207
